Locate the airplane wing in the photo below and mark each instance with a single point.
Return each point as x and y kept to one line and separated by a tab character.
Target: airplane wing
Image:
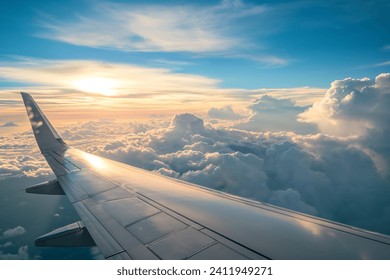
130	213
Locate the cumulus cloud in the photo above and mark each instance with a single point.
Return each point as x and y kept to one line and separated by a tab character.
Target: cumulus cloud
21	166
329	174
357	108
21	254
19	156
13	232
352	107
318	174
225	113
292	199
272	114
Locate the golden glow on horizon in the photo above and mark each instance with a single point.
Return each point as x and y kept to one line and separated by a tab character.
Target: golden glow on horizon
102	86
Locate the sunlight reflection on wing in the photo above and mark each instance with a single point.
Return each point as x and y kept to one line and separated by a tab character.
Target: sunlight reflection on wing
95	161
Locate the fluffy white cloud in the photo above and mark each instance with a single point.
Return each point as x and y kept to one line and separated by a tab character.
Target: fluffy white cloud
22	254
225	113
359	109
224	171
352	107
19	157
12	232
272	114
328	174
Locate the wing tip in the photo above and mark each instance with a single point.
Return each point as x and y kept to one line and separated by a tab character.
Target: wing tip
25	94
45	134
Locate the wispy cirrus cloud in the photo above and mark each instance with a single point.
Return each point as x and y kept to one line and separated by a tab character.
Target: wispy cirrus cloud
193	28
135	27
385	63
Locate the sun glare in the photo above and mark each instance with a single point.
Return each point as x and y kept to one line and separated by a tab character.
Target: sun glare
95	161
102	86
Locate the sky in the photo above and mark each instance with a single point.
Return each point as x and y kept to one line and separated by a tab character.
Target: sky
284	102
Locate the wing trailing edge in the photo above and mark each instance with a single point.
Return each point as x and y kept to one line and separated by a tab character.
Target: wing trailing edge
73	235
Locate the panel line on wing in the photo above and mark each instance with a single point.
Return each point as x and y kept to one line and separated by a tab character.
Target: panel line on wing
128	241
197	226
105	241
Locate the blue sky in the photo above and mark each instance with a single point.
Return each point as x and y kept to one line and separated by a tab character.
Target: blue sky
251	44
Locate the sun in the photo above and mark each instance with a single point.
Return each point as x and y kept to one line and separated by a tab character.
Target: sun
104	86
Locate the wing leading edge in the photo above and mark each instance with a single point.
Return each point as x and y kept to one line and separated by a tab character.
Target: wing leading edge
130	213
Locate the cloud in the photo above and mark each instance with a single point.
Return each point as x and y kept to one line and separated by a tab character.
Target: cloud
357	108
291	199
103	78
225	113
136	27
8	124
22	254
328	174
382	64
19	157
225	172
272	114
13	232
6	244
221	29
318	174
352	107
302	96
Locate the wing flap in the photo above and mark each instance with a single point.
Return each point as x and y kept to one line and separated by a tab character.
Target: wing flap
73	235
107	245
50	187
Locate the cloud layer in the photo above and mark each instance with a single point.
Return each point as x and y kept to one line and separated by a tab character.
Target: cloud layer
331	174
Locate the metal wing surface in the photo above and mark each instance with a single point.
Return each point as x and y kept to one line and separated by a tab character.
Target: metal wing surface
130	213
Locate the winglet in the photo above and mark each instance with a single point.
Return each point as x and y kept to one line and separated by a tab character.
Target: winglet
45	134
